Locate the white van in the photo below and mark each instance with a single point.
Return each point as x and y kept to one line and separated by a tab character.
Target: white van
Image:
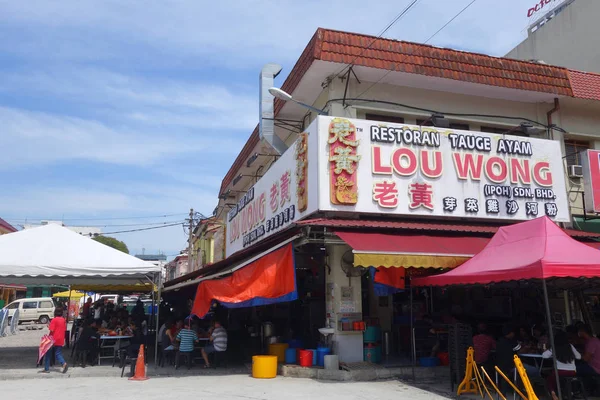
40	309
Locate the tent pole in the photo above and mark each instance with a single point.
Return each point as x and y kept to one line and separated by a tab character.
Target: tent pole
551	335
412	333
68	306
157	327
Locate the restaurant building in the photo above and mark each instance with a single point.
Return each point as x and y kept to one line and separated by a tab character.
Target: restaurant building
390	160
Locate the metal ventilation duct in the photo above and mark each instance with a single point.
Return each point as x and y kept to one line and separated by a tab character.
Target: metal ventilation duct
267	114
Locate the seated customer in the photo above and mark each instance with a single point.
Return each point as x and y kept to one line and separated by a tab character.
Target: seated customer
137	339
539	335
218	342
87	343
566	355
167	336
483	344
506	348
425	334
591	355
186	338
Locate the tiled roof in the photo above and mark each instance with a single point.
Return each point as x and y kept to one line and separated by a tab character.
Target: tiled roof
7	226
387	54
414	58
586	85
422	226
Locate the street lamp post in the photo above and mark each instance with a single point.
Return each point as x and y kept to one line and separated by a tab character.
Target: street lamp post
280	94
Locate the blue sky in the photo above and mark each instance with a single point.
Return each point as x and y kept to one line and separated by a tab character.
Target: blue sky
114	109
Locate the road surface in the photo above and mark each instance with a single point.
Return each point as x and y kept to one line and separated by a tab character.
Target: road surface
218	387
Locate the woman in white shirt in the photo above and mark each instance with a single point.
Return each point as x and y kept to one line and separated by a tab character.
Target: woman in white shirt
566	355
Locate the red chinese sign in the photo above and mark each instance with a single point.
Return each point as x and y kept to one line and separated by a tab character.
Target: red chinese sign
302	171
343	159
591	173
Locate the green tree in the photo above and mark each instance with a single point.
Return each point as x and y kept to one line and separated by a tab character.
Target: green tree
112	242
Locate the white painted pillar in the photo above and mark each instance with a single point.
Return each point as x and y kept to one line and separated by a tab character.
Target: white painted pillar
347	345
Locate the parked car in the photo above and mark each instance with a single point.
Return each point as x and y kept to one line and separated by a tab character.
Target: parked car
39	309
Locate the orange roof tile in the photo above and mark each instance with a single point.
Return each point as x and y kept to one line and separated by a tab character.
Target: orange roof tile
388	54
586	85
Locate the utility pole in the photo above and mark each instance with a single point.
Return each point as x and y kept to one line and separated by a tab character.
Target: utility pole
190	243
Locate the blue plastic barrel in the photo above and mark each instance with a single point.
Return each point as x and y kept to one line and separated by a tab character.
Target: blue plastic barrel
295	344
290	356
321	353
314	351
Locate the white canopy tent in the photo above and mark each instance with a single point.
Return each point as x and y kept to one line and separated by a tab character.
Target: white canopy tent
54	255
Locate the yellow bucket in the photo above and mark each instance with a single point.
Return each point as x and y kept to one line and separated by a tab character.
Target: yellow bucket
278	349
264	367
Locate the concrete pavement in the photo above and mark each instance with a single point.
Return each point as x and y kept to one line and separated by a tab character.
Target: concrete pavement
218	387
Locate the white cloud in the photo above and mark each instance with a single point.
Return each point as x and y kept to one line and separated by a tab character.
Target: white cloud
159	100
40	138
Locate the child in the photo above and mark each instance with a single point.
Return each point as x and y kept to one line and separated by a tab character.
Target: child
58	328
186	338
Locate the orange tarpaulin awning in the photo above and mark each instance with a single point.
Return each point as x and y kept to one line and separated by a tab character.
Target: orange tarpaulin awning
270	279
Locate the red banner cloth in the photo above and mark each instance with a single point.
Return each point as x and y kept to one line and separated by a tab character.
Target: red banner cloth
46	344
394	277
269	277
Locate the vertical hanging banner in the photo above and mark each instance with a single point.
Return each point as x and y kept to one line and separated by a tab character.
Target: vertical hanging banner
590	161
343	161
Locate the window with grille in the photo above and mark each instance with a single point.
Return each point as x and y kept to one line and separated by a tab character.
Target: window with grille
453	125
574	150
385	118
503	131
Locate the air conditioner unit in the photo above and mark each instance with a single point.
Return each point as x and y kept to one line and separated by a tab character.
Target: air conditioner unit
575	171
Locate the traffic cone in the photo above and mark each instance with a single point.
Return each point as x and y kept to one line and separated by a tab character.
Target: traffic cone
140	367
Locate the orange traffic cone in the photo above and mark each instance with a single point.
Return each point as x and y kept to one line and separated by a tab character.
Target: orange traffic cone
140	367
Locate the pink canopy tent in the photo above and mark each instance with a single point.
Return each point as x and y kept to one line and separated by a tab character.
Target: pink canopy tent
536	249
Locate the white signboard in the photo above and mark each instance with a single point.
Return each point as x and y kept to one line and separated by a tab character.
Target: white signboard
286	193
384	168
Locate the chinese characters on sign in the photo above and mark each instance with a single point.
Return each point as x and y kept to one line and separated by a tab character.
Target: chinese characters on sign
279	198
385	194
421	196
301	158
440	172
343	159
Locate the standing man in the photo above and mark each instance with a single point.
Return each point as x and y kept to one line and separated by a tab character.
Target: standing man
86	308
218	342
58	328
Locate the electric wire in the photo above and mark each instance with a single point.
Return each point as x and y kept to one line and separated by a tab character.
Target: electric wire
431	37
96	219
141	229
388	27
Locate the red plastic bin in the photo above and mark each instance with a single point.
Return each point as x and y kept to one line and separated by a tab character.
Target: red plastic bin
306	358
